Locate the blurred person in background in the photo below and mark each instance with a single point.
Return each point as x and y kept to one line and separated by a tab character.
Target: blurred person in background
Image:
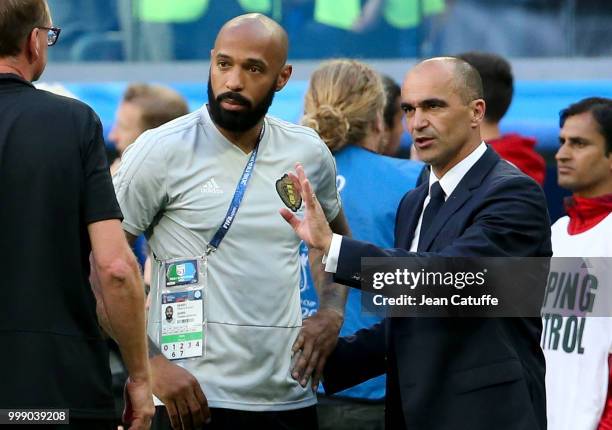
578	372
592	23
399	28
345	22
372	28
345	104
523	28
331	20
498	83
143	107
166	30
392	116
206	188
156	24
61	224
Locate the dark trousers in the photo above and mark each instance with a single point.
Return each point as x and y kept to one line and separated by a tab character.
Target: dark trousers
337	413
230	419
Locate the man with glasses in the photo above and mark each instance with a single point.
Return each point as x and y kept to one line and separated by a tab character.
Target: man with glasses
58	208
52	34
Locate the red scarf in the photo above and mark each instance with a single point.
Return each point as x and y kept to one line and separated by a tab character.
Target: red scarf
586	213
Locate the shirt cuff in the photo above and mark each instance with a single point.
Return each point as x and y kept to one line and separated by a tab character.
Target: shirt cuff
331	260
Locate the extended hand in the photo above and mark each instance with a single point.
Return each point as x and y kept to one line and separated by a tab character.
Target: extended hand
181	393
313	229
316	341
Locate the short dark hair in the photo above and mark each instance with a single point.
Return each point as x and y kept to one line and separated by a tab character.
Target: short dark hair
392	93
468	81
601	110
17	19
159	104
497	82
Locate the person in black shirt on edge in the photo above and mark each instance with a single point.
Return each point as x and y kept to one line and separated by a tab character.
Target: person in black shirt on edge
58	207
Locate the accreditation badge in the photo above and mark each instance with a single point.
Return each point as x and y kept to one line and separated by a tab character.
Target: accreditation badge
183	308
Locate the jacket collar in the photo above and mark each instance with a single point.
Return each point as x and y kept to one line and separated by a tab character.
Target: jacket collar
14	80
471	180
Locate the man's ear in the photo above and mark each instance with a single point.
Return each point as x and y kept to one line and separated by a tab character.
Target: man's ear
283	76
478	108
33	49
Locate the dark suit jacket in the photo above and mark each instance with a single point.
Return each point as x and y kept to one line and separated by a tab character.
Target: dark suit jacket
465	373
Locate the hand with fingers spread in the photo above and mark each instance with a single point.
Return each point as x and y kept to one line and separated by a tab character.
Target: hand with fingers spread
316	341
313	228
181	393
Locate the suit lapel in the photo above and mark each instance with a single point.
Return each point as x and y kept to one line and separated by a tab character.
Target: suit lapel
452	205
408	217
472	179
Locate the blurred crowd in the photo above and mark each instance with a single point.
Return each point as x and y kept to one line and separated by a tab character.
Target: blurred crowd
156	30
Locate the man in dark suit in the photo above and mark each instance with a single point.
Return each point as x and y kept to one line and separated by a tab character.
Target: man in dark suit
464	373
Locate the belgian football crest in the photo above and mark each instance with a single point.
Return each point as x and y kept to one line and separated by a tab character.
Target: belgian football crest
288	194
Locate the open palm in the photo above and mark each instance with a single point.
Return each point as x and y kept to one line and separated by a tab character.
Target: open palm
313	229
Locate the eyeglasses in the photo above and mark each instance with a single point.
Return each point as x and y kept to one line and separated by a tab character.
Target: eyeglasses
52	34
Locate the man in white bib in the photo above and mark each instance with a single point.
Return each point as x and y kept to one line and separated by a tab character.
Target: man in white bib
578	347
211	184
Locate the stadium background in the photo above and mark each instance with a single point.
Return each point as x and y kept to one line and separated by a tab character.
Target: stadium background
561	50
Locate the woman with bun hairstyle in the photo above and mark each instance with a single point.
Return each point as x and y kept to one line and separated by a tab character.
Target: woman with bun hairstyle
344	104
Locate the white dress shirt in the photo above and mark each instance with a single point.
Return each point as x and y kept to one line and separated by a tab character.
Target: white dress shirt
448	183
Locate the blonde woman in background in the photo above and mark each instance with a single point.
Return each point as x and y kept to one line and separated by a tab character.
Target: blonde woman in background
344	103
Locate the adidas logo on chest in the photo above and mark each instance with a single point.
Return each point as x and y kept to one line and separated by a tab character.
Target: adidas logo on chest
211	187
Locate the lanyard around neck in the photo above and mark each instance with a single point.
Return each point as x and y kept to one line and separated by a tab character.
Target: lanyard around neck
237	199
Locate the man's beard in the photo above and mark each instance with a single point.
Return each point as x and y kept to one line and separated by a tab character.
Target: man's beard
237	121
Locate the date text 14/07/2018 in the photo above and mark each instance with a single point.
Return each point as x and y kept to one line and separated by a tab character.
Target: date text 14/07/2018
455	300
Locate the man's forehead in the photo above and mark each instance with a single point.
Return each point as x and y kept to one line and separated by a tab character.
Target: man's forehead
580	124
417	88
249	42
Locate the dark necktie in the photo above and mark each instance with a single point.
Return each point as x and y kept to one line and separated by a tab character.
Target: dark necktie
436	200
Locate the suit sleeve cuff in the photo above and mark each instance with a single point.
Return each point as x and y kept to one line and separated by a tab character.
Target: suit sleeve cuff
331	260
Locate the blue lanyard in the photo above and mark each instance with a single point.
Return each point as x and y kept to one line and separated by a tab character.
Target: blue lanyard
236	200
